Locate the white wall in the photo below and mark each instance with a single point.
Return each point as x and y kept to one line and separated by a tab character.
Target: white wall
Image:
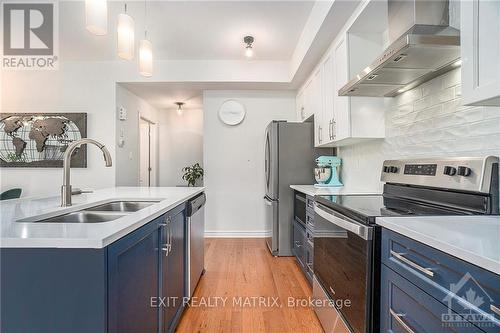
82	87
181	144
234	160
427	121
127	157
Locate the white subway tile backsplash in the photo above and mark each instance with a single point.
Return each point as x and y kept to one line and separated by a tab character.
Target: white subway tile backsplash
442	96
431	87
426	121
451	79
485	127
490	112
408	96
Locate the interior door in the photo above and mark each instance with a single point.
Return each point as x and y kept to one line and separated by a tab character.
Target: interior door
144	153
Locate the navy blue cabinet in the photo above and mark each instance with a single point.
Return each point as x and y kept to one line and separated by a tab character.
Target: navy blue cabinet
427	288
172	264
133	280
129	286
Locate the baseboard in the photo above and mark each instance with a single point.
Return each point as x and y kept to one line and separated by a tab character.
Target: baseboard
236	234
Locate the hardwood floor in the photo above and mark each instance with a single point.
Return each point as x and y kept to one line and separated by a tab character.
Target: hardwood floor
236	271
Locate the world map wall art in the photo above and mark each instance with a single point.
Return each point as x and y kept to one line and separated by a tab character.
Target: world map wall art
39	140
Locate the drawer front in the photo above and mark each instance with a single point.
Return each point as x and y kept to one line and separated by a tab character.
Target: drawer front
463	287
299	236
406	309
310	204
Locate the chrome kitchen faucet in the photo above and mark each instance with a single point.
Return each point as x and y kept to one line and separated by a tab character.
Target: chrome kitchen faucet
66	186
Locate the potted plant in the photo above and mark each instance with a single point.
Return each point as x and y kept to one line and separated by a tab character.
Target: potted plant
192	174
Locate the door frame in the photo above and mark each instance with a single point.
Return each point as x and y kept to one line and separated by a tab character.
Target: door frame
153	150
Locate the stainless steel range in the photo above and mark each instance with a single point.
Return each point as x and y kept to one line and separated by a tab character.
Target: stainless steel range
346	239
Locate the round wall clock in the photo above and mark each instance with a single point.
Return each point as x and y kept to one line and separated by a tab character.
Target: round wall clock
232	112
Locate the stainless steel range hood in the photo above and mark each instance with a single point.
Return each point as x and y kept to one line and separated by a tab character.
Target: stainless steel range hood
423	46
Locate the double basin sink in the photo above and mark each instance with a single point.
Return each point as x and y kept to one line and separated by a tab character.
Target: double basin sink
103	212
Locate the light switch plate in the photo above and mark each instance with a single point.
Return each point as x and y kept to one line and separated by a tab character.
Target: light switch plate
122	113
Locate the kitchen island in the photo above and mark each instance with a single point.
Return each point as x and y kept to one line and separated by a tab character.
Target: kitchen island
125	275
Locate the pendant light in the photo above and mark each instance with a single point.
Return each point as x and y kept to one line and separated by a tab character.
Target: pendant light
179	108
145	51
248	40
125	34
96	16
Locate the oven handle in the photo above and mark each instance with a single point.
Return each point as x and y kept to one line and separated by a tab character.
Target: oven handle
342	222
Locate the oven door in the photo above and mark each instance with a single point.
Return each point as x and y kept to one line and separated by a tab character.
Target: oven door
343	265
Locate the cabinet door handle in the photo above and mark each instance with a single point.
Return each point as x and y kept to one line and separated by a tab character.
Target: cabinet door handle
400	257
319	133
400	320
302	113
169	239
495	309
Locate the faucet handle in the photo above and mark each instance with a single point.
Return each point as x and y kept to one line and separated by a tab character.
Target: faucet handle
77	191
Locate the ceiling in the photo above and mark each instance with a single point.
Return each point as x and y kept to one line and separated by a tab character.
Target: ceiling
190	30
163	95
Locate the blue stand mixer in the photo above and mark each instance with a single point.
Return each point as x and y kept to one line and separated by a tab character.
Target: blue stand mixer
327	172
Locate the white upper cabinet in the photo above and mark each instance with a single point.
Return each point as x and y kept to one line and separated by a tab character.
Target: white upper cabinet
328	117
299	103
480	48
345	120
316	92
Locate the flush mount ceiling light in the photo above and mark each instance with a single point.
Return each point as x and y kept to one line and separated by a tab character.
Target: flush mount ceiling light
179	107
96	16
248	40
125	33
145	51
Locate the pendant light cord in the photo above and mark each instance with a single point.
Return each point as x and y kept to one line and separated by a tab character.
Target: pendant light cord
145	20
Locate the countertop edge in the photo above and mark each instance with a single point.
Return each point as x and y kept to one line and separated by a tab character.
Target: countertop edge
91	243
460	253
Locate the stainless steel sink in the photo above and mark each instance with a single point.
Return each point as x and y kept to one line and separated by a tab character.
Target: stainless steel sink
122	206
103	212
82	217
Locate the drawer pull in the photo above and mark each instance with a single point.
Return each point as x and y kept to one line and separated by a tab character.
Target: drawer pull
400	320
400	257
495	309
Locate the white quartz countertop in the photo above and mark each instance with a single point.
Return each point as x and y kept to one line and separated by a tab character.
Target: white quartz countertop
312	190
83	235
475	239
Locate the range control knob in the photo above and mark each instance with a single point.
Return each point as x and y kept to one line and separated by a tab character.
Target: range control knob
464	171
393	169
450	171
386	168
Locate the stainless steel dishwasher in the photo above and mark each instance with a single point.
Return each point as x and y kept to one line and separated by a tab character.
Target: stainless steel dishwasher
195	212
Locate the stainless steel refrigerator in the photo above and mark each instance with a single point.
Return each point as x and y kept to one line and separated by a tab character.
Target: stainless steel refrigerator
289	159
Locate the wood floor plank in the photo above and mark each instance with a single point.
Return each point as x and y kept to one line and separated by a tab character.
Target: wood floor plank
242	271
